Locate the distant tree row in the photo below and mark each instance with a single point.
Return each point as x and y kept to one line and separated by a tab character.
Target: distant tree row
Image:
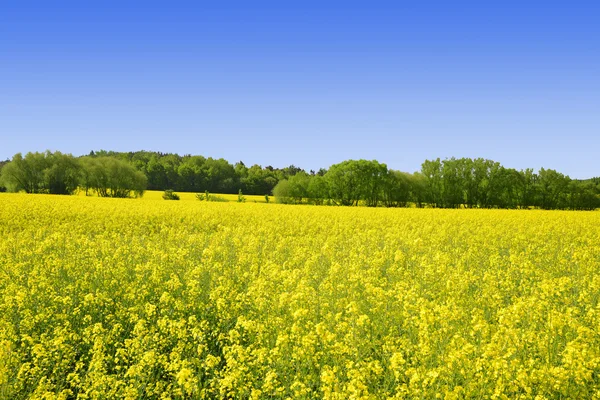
449	183
453	183
197	174
58	173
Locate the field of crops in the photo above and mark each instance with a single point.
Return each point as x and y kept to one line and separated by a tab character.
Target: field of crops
124	298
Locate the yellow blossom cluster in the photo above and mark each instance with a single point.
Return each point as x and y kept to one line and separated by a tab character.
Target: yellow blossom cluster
111	298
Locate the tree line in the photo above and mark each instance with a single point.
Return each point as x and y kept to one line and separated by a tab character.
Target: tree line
449	183
125	174
194	173
58	173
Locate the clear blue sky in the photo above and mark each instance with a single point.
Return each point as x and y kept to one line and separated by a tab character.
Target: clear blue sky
309	84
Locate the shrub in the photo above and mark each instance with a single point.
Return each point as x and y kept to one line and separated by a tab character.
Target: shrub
210	197
170	195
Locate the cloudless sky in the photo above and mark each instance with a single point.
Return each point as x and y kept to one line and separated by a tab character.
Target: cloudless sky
306	83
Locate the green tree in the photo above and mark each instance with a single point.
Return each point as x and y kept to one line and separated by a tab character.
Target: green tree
170	166
510	179
282	192
487	175
432	172
2	164
348	182
396	189
63	173
156	174
552	189
111	177
192	174
220	176
453	183
318	189
170	195
298	187
24	173
47	172
526	188
259	180
418	184
241	172
583	195
372	177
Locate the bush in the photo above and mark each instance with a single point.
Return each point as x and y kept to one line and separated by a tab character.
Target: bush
216	198
170	195
210	197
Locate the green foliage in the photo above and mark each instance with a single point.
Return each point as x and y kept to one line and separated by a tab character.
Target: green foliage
418	189
2	164
296	189
62	174
206	196
218	199
483	183
396	189
241	198
282	192
449	183
299	187
47	172
170	195
354	180
111	177
258	180
343	183
19	175
318	189
196	173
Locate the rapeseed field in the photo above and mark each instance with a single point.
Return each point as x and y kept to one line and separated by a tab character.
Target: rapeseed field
111	298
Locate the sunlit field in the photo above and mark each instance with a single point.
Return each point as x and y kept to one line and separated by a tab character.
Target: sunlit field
133	298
